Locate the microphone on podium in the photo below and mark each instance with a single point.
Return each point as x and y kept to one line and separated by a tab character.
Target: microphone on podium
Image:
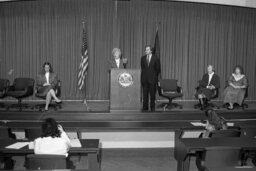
125	60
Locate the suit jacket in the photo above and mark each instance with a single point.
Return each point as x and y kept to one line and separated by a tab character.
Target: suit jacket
215	81
113	64
149	73
41	79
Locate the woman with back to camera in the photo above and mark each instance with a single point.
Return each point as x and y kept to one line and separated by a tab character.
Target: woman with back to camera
47	82
53	140
213	123
235	91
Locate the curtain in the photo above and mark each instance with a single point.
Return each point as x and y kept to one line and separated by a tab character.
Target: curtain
191	37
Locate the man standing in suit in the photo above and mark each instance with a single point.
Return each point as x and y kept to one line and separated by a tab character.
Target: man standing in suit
150	70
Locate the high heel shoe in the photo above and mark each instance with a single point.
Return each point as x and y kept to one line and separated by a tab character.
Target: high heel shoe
58	102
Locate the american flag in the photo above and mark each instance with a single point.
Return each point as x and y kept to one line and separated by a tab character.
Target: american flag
83	67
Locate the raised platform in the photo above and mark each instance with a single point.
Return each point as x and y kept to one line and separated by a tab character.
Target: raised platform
122	129
100	118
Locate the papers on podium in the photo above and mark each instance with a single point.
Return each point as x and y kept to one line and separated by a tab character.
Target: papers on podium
75	143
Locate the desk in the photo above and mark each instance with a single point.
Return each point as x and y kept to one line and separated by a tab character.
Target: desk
89	147
186	146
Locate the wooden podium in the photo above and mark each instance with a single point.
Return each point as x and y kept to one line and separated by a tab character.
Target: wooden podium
125	89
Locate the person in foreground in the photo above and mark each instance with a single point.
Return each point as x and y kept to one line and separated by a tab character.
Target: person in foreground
235	91
213	123
150	70
209	83
53	141
46	83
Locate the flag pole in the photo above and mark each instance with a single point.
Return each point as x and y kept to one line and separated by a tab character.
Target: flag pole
84	100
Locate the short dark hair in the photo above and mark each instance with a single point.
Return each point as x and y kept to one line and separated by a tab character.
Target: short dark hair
50	128
49	64
151	48
240	68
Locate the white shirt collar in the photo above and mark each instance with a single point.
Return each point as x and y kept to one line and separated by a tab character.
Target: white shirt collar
210	77
47	74
238	78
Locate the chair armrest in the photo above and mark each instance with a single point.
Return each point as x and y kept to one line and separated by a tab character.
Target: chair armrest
179	89
29	90
11	88
159	89
58	88
37	87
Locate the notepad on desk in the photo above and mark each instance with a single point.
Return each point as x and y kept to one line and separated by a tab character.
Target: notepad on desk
198	124
191	134
75	143
17	145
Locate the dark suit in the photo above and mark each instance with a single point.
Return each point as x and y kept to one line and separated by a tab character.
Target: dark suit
149	79
215	81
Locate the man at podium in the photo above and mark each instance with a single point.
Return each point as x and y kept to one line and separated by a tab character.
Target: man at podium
150	70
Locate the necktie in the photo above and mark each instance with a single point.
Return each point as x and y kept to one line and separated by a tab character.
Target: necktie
148	60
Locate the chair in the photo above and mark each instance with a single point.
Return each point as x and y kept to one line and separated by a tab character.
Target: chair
44	162
4	84
225	133
215	158
21	88
169	89
58	94
249	154
209	104
249	132
6	133
32	133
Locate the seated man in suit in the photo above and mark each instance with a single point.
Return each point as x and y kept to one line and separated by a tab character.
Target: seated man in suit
207	85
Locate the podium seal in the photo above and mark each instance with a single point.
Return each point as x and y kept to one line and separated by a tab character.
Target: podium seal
125	79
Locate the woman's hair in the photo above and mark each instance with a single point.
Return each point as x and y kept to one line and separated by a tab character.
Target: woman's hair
116	50
240	68
215	120
49	64
50	128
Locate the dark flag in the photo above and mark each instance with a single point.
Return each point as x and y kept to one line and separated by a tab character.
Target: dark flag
83	66
157	46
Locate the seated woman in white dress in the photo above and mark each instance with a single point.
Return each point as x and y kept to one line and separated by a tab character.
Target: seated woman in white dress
234	93
53	141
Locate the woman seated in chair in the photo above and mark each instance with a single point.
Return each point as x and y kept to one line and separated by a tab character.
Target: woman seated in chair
46	83
207	86
213	123
54	140
235	91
